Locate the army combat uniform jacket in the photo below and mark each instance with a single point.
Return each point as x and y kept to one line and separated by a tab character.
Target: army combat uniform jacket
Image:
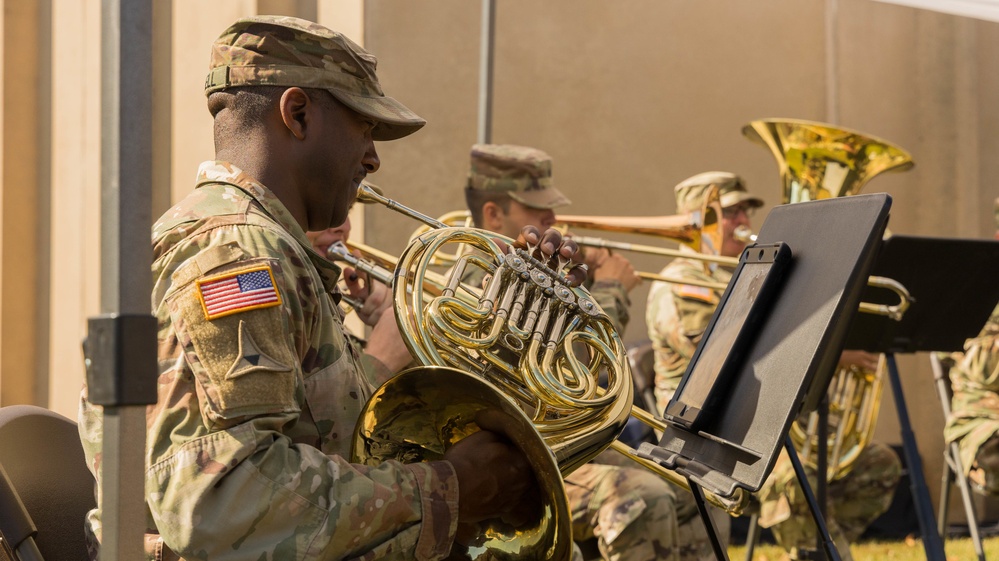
258	395
974	417
676	317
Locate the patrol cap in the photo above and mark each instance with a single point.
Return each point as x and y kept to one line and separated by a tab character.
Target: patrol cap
731	191
288	51
523	173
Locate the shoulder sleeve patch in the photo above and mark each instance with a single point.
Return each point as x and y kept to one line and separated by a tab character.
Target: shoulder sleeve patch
696	292
238	291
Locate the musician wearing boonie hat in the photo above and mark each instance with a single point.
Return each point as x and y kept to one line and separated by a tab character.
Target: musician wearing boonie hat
731	190
259	390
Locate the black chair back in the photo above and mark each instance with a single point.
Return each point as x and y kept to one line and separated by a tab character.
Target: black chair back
41	454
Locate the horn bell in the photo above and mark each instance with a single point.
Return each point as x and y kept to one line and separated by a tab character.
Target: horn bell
420	413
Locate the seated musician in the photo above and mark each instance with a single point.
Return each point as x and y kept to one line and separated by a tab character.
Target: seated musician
248	444
677	316
376	297
974	419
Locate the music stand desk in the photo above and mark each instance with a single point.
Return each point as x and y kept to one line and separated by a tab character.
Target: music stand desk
833	244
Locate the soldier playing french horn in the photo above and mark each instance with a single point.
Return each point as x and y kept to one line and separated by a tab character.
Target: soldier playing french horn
258	388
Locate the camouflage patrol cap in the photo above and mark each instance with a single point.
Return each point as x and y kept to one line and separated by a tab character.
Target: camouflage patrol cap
731	190
288	51
523	173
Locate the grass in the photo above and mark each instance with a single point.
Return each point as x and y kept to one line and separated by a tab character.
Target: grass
957	549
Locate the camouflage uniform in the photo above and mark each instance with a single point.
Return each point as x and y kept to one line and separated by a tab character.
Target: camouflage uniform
255	409
258	389
974	418
677	316
628	510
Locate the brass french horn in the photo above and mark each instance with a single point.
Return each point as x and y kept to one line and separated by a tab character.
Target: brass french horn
527	311
520	335
820	161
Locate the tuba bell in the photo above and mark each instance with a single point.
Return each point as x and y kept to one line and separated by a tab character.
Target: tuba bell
821	161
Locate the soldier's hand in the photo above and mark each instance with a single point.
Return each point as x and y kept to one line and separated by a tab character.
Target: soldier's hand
495	480
375	295
860	359
553	249
616	268
385	343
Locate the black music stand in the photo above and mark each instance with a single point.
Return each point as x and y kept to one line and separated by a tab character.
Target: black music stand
952	284
833	244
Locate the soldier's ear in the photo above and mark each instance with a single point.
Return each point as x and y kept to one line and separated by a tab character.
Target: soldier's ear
294	108
492	216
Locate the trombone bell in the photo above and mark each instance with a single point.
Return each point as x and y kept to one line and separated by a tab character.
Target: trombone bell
700	230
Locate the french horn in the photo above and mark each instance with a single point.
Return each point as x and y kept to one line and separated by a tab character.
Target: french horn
521	335
510	349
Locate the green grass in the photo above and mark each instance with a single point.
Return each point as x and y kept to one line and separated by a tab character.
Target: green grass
957	549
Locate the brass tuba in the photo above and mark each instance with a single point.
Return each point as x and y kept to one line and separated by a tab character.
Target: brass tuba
820	161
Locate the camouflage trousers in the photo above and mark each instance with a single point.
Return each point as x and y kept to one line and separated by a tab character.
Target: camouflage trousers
635	514
854	501
629	511
984	472
694	542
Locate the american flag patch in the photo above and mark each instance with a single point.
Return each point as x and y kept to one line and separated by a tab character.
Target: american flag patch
238	292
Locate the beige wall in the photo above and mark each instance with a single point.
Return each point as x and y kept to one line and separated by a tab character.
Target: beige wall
629	97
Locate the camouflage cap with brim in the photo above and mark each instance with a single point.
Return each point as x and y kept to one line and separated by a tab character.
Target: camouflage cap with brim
288	51
524	173
731	190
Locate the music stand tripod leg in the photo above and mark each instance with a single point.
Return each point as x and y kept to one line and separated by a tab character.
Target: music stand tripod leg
920	494
709	525
813	505
969	511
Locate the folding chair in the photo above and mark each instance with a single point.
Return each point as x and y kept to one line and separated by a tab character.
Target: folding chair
953	470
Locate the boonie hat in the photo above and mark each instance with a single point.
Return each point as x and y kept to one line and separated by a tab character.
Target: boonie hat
731	190
288	51
523	173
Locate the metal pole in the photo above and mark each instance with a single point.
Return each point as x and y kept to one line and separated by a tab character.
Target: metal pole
486	72
116	381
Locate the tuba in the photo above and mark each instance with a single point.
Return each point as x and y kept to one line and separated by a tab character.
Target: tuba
820	161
